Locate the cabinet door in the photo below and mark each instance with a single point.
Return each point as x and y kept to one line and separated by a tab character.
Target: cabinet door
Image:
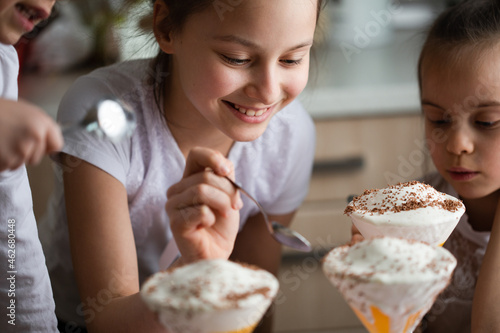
357	154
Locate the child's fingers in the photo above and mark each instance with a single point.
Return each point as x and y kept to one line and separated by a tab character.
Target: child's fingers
201	194
36	154
208	177
54	140
192	218
199	159
356	238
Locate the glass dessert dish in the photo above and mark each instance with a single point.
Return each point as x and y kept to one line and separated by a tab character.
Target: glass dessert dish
410	210
210	296
390	283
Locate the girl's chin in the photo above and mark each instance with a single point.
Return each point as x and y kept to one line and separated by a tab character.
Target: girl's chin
246	136
471	193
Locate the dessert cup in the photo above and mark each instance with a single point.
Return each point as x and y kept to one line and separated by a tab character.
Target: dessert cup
210	296
411	210
390	283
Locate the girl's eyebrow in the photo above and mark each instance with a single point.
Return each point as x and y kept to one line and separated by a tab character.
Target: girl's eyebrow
429	103
250	44
483	104
486	104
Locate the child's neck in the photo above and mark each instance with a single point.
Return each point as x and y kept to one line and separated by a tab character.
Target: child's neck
190	129
187	140
482	211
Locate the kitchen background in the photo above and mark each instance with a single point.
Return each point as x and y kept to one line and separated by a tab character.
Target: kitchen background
362	95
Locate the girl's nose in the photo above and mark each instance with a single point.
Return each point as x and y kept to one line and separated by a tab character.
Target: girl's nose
460	141
264	86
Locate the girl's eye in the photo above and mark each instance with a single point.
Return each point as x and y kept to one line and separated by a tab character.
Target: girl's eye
291	62
487	124
235	61
439	120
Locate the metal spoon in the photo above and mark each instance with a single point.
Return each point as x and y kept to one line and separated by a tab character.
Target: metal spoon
279	232
108	118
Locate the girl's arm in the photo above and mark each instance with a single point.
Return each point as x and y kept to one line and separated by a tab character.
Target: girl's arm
486	304
103	252
254	245
102	242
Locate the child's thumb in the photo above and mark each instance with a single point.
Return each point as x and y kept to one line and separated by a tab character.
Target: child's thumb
55	139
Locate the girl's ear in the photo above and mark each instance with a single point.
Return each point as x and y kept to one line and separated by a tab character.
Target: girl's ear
161	27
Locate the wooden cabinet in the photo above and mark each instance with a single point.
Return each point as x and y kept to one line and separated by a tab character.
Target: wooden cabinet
351	155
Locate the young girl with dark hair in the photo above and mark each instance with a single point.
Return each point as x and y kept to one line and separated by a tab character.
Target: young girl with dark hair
459	75
218	101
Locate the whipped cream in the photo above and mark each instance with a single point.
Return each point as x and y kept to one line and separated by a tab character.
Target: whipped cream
399	277
210	284
406	204
210	296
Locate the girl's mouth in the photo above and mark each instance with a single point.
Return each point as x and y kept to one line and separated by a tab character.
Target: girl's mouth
460	174
245	111
32	14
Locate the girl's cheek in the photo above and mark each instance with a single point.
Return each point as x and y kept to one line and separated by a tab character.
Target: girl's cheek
297	86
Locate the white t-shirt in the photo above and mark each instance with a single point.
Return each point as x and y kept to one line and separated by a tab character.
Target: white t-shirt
451	311
25	291
275	168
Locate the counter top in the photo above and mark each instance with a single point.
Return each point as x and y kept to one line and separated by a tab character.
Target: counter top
371	81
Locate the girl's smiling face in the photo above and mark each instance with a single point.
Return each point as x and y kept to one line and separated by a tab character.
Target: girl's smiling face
461	105
20	17
239	67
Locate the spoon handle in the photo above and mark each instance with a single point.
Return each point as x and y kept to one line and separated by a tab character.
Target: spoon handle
240	188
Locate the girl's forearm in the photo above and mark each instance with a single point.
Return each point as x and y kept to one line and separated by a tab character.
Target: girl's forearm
486	304
126	314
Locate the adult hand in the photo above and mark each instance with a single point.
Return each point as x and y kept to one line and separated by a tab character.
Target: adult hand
27	133
204	207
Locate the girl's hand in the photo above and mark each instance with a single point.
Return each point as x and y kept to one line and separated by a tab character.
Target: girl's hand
356	236
204	207
26	134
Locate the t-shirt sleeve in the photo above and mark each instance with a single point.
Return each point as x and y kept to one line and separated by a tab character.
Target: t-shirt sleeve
301	139
112	158
9	68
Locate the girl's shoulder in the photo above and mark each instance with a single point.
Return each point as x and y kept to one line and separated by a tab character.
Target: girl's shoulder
124	80
123	72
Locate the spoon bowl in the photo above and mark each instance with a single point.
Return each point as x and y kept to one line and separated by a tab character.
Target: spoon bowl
110	118
280	233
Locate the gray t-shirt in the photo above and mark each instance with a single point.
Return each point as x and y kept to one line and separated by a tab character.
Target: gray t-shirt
275	168
25	291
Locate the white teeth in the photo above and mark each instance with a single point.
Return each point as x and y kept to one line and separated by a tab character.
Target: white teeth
250	113
29	13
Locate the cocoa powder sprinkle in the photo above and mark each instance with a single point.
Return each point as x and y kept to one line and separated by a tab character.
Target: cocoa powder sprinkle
412	198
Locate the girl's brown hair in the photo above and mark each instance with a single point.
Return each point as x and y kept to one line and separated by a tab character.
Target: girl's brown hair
179	12
472	25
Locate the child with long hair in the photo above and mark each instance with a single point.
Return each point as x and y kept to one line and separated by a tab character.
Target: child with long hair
217	101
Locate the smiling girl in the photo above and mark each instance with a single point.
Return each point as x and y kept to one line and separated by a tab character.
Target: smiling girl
459	73
218	101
